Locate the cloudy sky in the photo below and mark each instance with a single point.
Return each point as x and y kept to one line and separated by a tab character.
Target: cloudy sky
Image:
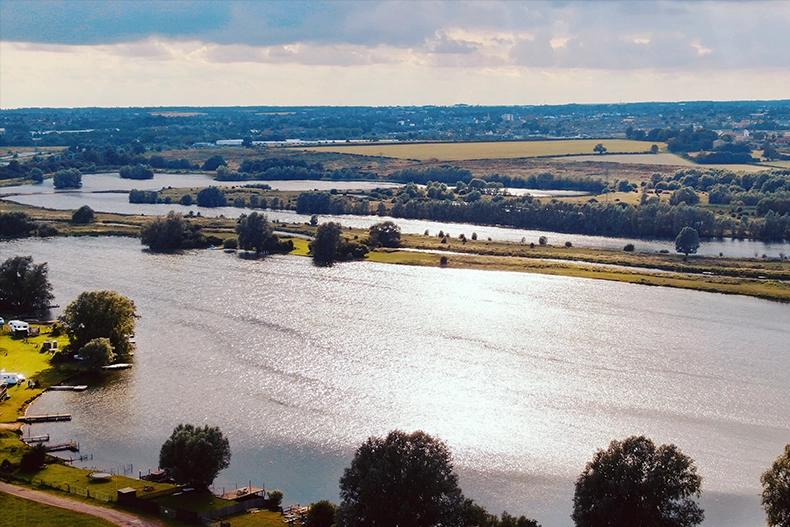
134	53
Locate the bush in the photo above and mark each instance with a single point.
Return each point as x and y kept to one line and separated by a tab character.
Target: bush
172	233
213	162
385	234
16	225
230	243
97	353
211	197
276	498
629	247
136	172
186	199
543	240
143	196
83	215
33	459
568	244
36	175
68	178
443	261
321	514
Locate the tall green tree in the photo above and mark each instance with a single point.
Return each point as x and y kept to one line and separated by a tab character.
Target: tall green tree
402	479
194	455
254	232
96	314
687	241
324	247
97	353
171	233
211	197
776	491
24	286
67	178
321	514
634	482
384	234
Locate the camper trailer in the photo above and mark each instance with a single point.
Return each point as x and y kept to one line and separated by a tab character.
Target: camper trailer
10	379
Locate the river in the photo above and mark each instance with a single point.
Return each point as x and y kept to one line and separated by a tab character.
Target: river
525	376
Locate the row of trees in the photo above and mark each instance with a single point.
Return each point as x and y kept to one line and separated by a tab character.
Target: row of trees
329	245
409	479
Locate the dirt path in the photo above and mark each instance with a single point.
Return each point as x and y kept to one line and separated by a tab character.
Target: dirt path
116	517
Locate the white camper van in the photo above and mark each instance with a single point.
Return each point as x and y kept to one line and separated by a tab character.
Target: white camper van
19	328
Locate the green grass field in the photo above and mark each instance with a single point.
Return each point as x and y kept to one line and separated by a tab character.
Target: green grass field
256	519
19	356
489	150
17	512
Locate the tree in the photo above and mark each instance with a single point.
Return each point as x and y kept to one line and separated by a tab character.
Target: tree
275	497
136	172
384	234
403	479
599	149
186	199
321	514
195	455
635	483
24	286
96	314
313	220
171	233
211	197
687	241
33	458
776	491
36	175
213	162
97	353
255	232
68	178
684	195
324	247
654	149
15	225
83	215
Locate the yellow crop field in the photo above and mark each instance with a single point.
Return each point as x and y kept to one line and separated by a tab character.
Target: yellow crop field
488	150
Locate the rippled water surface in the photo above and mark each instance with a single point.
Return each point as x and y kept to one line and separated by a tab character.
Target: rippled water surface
525	376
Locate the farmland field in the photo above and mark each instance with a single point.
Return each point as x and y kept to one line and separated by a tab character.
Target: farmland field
664	158
488	150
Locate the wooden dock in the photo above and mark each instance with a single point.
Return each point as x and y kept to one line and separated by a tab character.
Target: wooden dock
48	418
36	439
65	388
71	446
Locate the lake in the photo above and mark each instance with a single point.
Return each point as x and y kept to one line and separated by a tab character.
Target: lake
524	376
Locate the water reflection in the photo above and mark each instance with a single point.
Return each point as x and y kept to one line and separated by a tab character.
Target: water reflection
524	375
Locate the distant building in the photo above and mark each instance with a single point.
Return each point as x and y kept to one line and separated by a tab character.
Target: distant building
507	117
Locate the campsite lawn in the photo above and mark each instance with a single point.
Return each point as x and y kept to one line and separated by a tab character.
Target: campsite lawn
256	519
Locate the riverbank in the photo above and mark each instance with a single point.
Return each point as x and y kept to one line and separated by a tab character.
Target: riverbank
762	278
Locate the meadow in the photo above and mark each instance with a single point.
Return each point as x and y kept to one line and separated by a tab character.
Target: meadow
18	511
488	150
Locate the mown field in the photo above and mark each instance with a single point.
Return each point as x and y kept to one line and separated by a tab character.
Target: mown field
17	511
488	150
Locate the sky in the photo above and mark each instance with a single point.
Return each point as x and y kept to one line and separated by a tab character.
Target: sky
204	53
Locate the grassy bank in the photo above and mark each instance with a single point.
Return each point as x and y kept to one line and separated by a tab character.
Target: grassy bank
18	511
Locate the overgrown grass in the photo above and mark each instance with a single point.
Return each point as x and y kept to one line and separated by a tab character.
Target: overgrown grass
18	511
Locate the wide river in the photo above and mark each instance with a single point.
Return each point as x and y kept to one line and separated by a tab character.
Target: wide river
97	193
525	376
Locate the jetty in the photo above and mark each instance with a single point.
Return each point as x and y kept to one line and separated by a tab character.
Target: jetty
67	388
71	446
118	366
47	418
36	439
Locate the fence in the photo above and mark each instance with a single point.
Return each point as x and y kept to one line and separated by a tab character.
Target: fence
85	492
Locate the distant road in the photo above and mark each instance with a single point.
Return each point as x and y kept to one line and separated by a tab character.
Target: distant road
124	519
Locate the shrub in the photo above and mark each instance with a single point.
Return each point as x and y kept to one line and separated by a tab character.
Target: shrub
68	178
230	243
186	199
629	247
83	215
33	459
211	197
276	498
543	240
136	172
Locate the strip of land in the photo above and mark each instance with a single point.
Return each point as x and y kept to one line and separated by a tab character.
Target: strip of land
763	278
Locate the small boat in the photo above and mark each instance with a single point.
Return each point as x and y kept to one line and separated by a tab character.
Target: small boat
118	366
